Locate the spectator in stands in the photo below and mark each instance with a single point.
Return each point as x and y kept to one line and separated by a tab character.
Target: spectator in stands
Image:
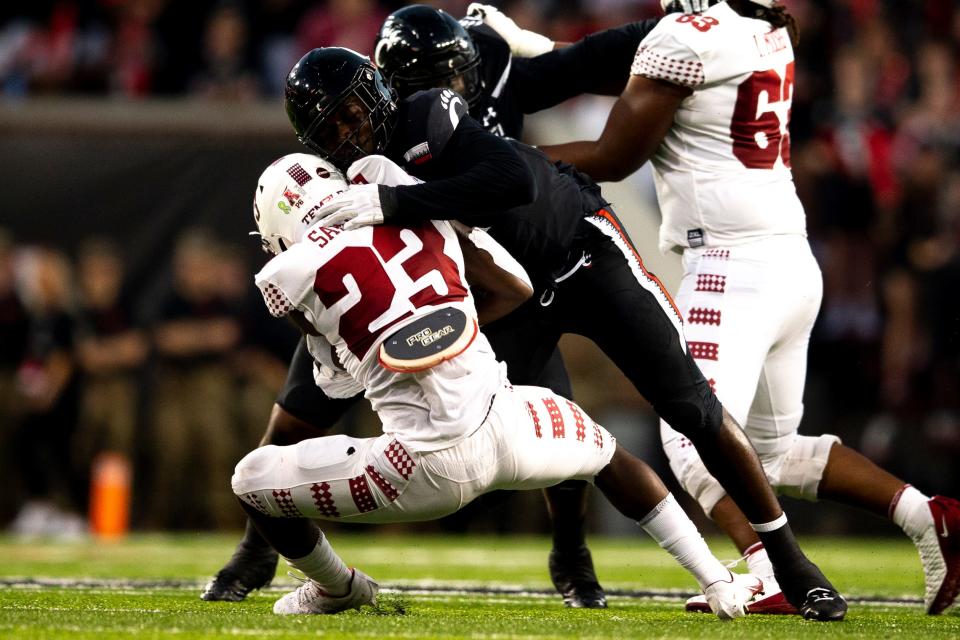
227	71
341	23
14	328
111	349
195	441
47	389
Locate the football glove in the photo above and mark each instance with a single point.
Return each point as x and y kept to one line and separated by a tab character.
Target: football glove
358	206
523	43
335	384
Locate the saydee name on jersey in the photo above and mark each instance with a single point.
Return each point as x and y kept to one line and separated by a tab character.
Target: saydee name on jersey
321	236
771	42
427	336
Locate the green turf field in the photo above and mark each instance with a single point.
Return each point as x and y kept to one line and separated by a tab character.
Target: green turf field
434	587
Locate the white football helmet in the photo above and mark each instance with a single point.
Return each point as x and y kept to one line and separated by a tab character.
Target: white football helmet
699	6
289	195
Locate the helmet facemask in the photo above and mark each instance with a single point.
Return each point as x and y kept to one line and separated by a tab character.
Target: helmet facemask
464	78
357	123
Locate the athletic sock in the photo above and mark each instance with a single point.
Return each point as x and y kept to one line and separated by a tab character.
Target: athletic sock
758	562
324	566
793	570
669	525
909	510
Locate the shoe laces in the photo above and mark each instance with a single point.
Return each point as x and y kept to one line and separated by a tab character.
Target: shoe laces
308	591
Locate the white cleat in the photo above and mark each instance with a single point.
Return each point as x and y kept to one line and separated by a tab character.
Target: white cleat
310	598
769	601
729	599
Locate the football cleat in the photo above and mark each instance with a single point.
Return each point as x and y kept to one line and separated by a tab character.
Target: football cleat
247	570
572	574
310	598
729	598
939	548
769	601
824	605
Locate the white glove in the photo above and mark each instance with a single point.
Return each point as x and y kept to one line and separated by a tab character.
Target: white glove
335	384
358	206
523	43
687	6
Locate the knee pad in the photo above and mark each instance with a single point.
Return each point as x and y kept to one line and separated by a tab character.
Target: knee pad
698	413
254	468
798	472
689	469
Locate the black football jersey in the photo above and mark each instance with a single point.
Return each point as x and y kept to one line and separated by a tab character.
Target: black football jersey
497	109
512	86
427	144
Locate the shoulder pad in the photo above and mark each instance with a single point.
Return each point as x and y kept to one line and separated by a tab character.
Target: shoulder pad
432	117
287	279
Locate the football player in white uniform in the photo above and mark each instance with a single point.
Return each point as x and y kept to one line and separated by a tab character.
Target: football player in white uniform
709	104
387	310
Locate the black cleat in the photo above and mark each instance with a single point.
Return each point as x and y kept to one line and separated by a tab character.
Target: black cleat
247	570
573	576
807	589
823	605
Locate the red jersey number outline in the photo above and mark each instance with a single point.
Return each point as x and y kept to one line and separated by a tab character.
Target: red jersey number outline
366	265
755	125
698	22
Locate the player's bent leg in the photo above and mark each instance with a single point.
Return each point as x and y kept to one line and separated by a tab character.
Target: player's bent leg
329	585
933	524
725	455
301	411
254	562
637	492
369	480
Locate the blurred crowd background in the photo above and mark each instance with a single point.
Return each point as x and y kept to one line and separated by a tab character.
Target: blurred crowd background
133	132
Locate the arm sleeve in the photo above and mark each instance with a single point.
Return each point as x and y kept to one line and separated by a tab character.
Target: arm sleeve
664	57
285	280
598	64
479	173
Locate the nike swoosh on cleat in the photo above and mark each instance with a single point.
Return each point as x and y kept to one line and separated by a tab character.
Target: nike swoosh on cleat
945	533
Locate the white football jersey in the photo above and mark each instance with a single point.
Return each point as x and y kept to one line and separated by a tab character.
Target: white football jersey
723	170
357	288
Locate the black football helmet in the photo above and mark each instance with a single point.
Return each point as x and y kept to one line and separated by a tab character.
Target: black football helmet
419	47
339	105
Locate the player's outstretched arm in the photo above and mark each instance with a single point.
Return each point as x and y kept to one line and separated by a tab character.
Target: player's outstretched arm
598	64
639	120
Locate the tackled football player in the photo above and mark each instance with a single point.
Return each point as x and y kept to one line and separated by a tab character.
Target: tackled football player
554	221
386	311
419	47
709	103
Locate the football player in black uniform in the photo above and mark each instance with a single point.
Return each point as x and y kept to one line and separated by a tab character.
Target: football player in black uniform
556	223
424	48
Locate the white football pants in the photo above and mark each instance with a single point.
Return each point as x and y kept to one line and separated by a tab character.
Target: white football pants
748	312
530	439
